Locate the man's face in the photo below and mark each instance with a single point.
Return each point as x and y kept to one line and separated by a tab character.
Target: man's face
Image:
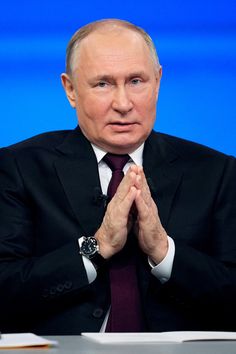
114	88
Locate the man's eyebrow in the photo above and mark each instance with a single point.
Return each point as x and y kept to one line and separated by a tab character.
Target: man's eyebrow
138	74
103	78
106	77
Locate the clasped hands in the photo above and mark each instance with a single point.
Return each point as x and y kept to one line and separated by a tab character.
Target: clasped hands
118	221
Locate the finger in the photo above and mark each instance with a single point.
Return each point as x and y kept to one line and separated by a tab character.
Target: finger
134	168
127	182
127	202
143	186
141	205
144	181
121	205
117	213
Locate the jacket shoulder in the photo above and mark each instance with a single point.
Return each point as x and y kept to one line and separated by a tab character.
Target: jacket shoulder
43	140
187	149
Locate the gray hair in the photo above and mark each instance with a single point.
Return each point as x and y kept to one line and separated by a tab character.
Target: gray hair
93	26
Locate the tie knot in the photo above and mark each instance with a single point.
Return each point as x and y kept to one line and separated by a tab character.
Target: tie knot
116	162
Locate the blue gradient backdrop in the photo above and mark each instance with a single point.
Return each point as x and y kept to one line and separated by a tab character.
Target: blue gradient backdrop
196	42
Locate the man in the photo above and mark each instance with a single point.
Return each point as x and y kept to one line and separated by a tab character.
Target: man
173	214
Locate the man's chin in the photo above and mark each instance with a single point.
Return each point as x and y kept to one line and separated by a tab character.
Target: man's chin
122	146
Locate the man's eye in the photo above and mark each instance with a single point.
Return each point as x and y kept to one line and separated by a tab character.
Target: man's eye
135	81
102	84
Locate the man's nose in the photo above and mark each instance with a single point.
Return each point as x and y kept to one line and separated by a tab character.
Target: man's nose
121	101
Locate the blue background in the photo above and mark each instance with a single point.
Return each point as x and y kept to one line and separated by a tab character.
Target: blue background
196	42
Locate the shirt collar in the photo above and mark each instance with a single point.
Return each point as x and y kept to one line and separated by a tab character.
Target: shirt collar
136	156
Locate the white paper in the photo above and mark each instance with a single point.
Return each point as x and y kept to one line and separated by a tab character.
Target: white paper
170	337
19	340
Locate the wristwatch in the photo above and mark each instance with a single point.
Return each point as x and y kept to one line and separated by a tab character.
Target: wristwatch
89	248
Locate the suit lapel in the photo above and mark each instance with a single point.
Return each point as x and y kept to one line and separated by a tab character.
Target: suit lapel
163	169
78	172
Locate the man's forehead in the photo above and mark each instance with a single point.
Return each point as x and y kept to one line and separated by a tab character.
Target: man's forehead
116	46
114	61
112	48
117	37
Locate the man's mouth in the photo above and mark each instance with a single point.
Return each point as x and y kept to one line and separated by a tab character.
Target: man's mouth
123	123
122	127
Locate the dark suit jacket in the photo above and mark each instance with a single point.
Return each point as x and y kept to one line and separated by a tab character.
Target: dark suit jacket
49	197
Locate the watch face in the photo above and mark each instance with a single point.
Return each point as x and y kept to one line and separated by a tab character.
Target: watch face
89	246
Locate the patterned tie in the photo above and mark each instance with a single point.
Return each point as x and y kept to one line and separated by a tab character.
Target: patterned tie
125	314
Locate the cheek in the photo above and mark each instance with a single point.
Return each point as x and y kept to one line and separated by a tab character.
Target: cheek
94	107
147	105
151	99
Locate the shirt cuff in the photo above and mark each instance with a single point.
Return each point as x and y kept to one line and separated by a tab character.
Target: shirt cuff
89	267
162	271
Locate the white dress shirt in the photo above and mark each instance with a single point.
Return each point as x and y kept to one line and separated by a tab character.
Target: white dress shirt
163	270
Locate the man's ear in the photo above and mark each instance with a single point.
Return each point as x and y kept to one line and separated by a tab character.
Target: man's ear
69	89
160	72
158	79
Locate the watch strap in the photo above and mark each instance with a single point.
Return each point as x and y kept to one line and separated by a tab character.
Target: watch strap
98	260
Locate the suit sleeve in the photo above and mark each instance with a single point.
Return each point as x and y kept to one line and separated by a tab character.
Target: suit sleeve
30	282
203	279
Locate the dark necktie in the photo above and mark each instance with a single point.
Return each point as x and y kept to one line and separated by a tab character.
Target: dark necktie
116	164
125	314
